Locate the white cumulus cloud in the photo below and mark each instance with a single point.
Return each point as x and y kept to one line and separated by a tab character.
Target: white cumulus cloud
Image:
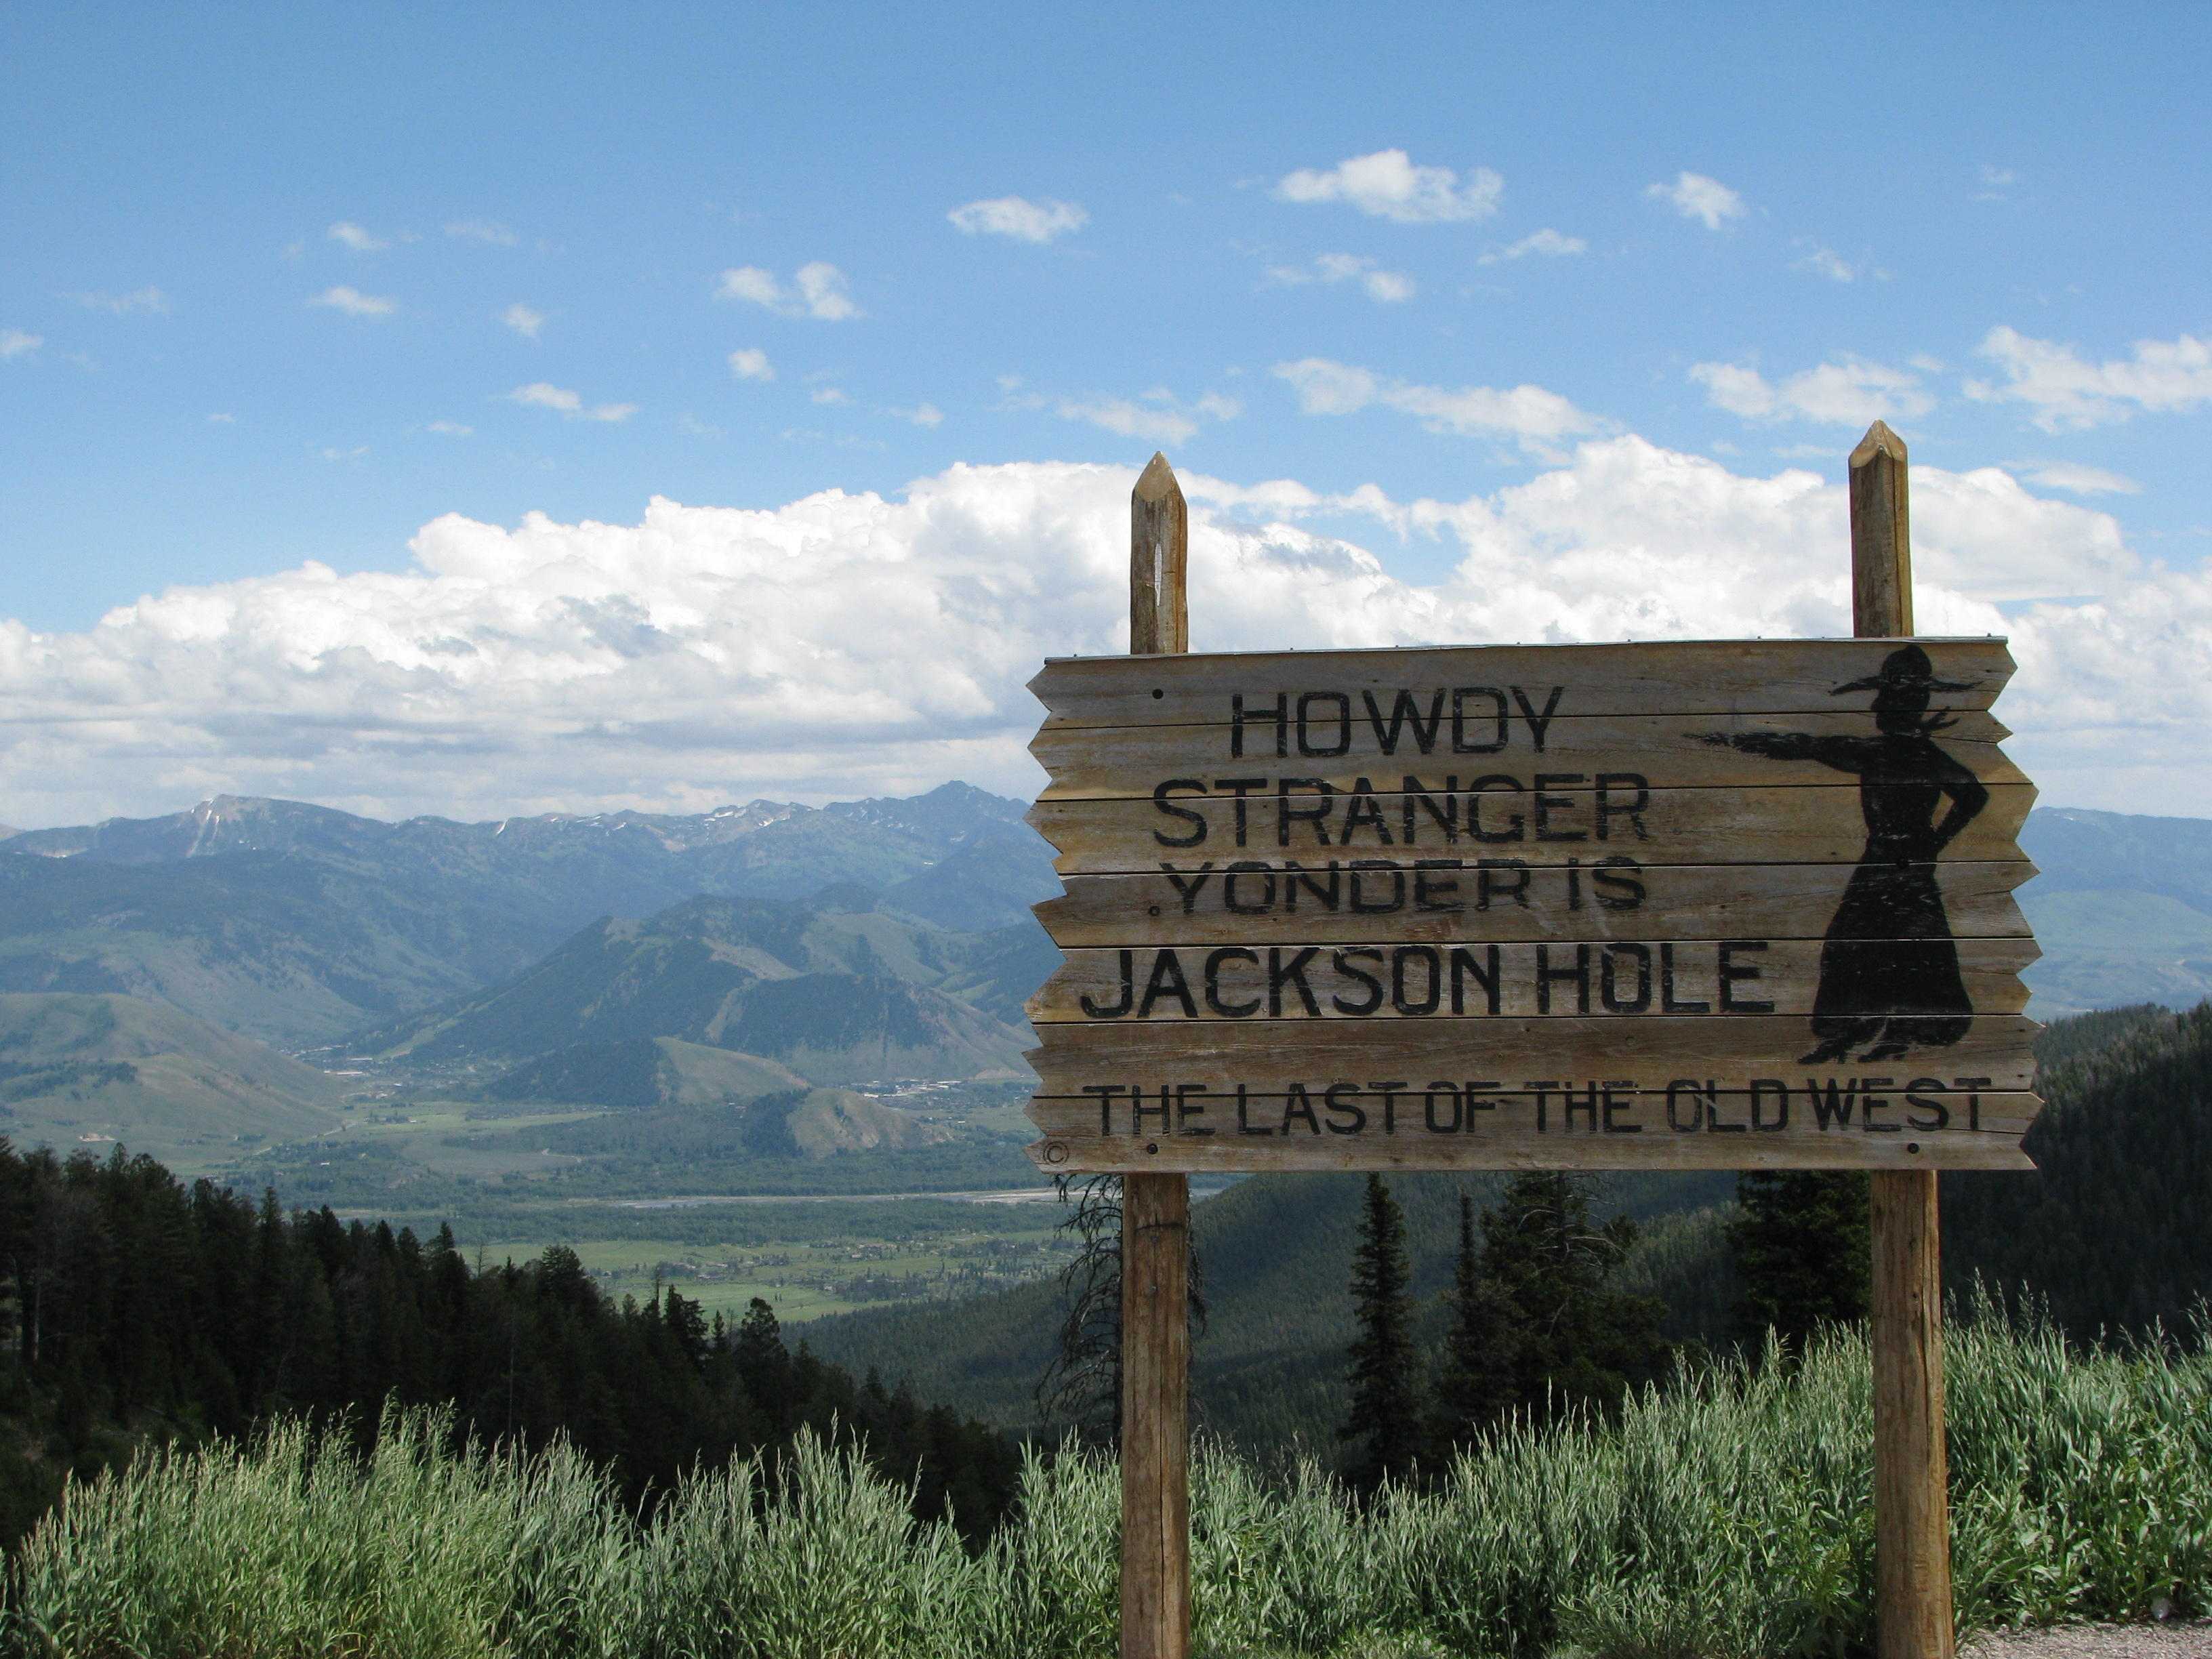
480	230
1694	196
752	363
523	320
1020	218
1388	185
1159	416
541	394
2065	392
353	302
1849	392
1547	242
2078	480
1385	287
1535	418
353	236
1826	262
14	343
817	291
850	644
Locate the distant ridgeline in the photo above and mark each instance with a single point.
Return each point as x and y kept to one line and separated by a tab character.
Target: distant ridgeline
666	964
780	947
298	925
135	1310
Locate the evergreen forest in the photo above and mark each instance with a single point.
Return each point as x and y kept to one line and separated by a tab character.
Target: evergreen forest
141	1313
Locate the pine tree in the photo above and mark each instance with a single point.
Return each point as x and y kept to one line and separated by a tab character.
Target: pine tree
1582	1344
1385	1416
763	1363
1802	1248
1482	1346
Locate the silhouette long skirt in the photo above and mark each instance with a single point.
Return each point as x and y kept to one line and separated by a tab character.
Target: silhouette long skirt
1870	976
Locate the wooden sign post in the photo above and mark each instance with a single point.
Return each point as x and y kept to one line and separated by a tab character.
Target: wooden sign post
1911	1471
1734	904
1156	1209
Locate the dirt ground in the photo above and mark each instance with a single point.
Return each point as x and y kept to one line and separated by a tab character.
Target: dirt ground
2183	1638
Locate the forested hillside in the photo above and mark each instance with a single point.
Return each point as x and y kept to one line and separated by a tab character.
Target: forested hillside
134	1310
2113	1230
1268	1369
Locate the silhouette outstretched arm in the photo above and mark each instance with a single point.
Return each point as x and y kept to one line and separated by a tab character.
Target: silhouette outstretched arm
1843	754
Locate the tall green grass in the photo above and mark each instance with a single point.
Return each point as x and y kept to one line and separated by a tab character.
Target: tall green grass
1726	1517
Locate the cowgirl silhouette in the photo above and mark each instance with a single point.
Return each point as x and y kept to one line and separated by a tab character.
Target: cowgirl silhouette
1889	967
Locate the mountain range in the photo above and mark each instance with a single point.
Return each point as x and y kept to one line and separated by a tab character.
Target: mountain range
821	946
300	925
833	987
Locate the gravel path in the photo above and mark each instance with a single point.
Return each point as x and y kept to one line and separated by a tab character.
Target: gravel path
2189	1638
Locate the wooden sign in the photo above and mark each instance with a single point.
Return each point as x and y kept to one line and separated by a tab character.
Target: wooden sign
1732	905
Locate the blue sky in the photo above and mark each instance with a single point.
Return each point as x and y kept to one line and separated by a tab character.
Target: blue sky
289	284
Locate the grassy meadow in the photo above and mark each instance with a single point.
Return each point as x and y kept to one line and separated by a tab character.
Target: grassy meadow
1728	1516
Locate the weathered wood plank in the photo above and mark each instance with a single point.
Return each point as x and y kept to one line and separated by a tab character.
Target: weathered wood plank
1322	977
1946	1149
1664	677
1349	749
1190	905
1550	825
1220	1054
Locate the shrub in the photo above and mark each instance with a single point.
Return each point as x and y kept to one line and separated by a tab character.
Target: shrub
1729	1517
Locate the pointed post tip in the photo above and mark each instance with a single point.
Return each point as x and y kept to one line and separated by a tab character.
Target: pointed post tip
1157	481
1879	440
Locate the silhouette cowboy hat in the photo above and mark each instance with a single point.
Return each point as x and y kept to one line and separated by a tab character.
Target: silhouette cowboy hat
1906	668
